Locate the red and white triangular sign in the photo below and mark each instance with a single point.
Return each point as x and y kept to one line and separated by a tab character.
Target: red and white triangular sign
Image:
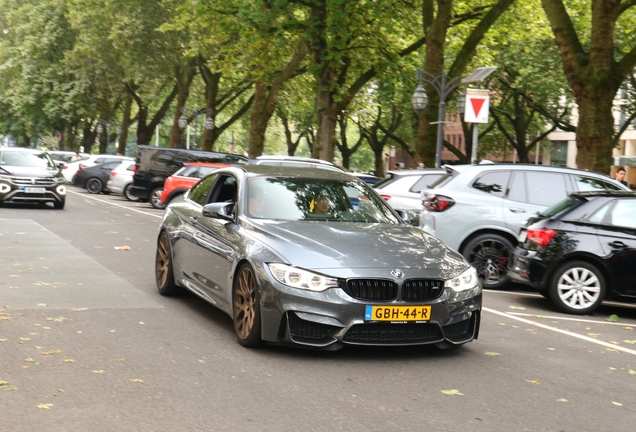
477	102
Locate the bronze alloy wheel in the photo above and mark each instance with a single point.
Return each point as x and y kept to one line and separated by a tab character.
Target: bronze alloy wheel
163	267
246	308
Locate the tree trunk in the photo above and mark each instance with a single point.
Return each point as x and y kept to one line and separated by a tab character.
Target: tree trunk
258	120
125	124
379	162
184	77
211	80
327	118
594	133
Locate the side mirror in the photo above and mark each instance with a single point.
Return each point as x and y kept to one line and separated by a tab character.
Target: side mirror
60	165
410	217
221	210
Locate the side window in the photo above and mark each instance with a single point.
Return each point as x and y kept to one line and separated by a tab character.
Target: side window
592	184
599	215
100	161
623	213
199	192
224	190
494	183
517	191
545	189
425	181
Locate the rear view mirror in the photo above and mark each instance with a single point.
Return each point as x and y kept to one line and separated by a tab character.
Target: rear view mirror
410	217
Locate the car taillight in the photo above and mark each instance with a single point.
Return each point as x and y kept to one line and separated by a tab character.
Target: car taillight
438	203
386	197
79	170
540	236
113	173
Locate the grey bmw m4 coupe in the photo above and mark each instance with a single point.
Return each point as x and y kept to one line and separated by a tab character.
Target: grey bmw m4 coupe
314	258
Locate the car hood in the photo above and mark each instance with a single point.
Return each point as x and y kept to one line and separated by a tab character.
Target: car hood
21	171
328	245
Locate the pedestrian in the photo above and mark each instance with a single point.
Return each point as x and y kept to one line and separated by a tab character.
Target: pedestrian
620	175
77	156
420	165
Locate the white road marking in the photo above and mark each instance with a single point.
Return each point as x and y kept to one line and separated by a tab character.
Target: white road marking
565	332
568	319
116	205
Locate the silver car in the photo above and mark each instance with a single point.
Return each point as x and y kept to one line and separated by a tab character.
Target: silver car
478	210
121	179
315	258
402	188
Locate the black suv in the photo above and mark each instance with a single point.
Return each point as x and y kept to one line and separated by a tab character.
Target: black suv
29	175
155	164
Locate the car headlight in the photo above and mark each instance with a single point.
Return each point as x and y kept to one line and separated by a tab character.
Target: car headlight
303	279
467	280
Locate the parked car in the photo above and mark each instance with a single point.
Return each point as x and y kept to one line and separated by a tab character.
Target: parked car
64	156
71	168
367	178
28	175
258	243
181	181
155	164
402	188
581	251
479	209
94	178
297	161
121	179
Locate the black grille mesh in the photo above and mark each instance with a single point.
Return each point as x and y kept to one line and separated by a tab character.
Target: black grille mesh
457	329
371	289
393	333
422	289
300	328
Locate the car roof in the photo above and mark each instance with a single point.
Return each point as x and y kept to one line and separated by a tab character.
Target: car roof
416	171
293	158
208	164
22	149
290	171
520	166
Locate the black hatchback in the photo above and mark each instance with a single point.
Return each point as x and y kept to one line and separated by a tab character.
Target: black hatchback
581	251
94	178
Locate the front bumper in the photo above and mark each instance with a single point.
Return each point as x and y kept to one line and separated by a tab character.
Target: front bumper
331	319
27	190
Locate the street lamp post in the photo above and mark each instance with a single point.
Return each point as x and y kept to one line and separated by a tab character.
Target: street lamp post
444	87
194	115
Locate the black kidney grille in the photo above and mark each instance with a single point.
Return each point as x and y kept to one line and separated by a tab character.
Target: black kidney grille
392	333
422	289
372	289
301	328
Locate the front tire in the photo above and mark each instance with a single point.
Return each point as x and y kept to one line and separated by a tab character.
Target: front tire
247	311
490	255
155	199
164	271
578	288
94	185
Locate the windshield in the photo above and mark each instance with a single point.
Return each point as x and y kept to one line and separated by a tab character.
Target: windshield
567	204
316	199
25	159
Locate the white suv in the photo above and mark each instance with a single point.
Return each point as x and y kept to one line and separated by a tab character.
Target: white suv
478	210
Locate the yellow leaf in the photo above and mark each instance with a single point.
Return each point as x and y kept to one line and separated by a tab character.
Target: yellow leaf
617	403
135	380
517	308
534	381
45	406
594	334
30	360
633	342
110	232
24	339
541	316
615	343
493	354
140	322
42	304
98	371
632	372
124	248
613	368
79	309
452	392
552	349
38	347
52	352
3	340
562	400
628	328
69	361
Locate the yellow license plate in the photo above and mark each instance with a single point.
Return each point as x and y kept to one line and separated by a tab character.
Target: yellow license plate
397	313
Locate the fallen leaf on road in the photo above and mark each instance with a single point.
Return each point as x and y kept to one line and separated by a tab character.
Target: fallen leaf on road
617	403
612	318
613	368
79	309
5	318
490	353
24	339
517	308
52	352
125	248
615	343
38	347
594	334
628	328
45	406
630	341
541	316
110	232
42	305
534	381
30	360
135	380
3	340
452	392
562	400
98	371
69	361
552	349
632	372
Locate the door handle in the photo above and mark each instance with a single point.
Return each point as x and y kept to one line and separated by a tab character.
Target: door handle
517	210
618	244
193	220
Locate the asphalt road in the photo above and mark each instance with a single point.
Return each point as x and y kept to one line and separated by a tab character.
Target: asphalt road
87	344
